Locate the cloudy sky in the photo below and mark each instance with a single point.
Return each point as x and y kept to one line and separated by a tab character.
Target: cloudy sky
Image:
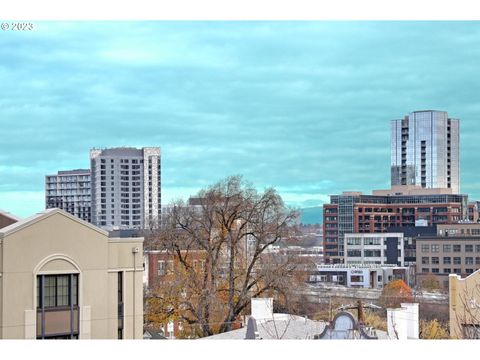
301	106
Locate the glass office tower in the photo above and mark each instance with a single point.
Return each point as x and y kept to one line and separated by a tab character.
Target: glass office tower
425	149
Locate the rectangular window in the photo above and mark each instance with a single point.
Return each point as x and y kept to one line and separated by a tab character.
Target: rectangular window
468	248
435	260
57	306
161	267
425	260
457	248
469	261
447	248
120	304
435	270
447	260
457	260
447	271
425	248
435	248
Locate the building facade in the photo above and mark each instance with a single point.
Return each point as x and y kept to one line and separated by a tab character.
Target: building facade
454	250
70	190
464	303
425	150
381	249
126	187
353	212
358	276
63	278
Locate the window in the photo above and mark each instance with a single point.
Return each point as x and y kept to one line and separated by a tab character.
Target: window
469	261
457	260
435	248
447	248
457	271
425	270
477	248
435	270
425	260
120	304
57	306
435	260
469	271
447	260
468	248
457	248
477	260
425	248
447	271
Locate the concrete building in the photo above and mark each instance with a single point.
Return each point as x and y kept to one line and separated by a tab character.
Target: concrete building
464	302
410	235
70	191
354	212
454	250
381	249
63	278
126	187
360	276
425	150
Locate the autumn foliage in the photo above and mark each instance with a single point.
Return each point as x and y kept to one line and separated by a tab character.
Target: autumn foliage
395	293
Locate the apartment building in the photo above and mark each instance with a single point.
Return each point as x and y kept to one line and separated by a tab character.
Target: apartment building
454	250
70	190
354	212
126	187
63	278
425	150
381	249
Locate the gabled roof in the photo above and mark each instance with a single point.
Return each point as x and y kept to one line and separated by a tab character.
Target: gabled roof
282	326
10	229
9	215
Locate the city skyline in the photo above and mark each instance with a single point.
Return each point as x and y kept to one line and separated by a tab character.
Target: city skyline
301	106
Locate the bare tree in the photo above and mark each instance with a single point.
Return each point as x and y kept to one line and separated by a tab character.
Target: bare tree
234	227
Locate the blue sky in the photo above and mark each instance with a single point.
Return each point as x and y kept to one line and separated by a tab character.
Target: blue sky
301	106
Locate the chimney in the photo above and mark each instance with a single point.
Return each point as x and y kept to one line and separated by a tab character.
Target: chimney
402	323
252	331
412	320
262	308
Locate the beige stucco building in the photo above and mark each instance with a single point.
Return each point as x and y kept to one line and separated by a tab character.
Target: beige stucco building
465	306
61	277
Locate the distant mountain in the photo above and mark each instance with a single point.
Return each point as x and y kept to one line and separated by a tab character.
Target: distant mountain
312	215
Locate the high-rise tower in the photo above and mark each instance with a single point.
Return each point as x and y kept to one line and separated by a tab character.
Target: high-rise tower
425	149
126	187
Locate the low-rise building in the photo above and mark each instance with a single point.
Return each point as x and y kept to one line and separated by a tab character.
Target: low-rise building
63	278
464	300
383	248
360	276
7	219
454	250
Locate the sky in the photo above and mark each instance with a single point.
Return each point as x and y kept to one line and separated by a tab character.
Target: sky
303	106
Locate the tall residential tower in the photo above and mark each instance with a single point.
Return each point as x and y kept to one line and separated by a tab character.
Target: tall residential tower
125	187
69	190
425	150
